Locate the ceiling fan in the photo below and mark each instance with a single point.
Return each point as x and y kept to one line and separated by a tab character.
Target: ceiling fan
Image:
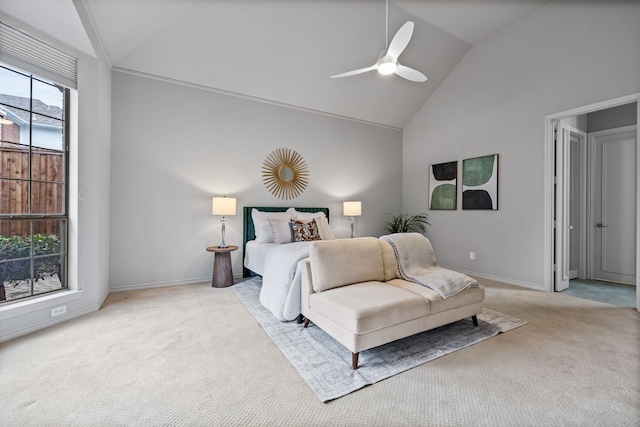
387	62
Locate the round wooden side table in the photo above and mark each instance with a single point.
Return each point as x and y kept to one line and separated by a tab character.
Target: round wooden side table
222	271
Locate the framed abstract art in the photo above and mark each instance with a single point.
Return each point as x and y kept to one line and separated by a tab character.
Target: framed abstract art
443	186
480	183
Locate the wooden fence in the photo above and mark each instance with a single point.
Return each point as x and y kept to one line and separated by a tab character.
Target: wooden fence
47	188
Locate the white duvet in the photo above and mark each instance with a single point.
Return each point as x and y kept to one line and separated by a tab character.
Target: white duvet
281	279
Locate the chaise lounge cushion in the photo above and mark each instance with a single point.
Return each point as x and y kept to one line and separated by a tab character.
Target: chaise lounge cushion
343	262
366	307
471	295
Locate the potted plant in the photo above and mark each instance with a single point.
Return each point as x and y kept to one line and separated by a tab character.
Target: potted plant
405	223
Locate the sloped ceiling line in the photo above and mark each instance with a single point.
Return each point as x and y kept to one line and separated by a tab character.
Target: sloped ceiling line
280	51
90	28
248	97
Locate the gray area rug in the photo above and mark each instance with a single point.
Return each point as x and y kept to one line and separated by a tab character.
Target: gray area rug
325	364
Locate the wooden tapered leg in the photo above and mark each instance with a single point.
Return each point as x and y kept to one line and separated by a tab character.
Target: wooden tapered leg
475	320
306	323
222	271
354	361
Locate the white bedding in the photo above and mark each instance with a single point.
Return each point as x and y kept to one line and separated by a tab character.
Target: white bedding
281	279
254	255
278	263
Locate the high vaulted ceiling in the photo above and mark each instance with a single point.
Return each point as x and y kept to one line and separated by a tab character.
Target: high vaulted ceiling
283	51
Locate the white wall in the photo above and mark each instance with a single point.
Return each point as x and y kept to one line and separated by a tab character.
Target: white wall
89	221
175	146
565	55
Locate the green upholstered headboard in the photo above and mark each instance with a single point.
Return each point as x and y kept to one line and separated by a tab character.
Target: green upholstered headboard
249	233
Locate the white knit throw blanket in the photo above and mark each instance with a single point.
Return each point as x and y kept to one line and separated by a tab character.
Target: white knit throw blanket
417	263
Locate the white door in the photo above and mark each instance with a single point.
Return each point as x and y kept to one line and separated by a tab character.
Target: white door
562	189
578	204
574	206
615	205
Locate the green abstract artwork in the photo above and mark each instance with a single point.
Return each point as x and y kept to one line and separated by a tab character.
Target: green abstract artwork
480	183
443	187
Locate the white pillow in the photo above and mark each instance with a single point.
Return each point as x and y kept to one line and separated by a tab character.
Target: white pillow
264	234
281	231
326	233
305	216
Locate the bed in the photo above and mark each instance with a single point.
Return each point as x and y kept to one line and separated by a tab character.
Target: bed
277	263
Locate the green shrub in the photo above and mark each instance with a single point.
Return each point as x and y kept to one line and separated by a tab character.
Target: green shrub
20	247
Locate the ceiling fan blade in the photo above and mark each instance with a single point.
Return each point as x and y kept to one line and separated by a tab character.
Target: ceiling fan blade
410	74
400	40
354	72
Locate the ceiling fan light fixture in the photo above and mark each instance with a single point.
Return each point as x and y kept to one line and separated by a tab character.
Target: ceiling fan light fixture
387	62
386	68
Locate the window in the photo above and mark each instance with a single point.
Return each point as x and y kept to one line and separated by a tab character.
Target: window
33	185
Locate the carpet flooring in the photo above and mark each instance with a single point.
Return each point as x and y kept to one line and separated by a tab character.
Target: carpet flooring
325	364
192	355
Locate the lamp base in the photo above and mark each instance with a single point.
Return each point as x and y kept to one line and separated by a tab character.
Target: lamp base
223	244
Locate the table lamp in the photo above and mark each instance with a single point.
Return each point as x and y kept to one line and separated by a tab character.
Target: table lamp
223	206
352	209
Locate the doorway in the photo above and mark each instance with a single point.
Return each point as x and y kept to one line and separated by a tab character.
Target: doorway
574	189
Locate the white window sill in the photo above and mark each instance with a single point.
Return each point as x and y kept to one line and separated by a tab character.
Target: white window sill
39	303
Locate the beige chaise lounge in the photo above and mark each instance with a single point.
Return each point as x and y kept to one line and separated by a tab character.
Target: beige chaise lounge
350	289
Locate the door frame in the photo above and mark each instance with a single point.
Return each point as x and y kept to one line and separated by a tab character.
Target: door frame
549	177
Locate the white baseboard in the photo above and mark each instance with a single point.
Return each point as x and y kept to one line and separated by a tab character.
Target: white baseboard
534	286
48	323
141	286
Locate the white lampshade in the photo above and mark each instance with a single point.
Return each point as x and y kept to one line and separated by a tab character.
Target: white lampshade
352	208
223	206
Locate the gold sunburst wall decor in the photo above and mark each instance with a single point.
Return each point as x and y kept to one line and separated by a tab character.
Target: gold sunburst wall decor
285	173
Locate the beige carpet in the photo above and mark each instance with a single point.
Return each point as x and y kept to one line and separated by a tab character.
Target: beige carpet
325	364
192	355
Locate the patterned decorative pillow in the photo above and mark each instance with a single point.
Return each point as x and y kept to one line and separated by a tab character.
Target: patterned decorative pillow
326	233
305	231
325	230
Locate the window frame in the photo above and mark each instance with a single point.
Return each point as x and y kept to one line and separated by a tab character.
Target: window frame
30	216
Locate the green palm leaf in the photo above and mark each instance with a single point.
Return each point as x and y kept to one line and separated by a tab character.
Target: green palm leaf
405	223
